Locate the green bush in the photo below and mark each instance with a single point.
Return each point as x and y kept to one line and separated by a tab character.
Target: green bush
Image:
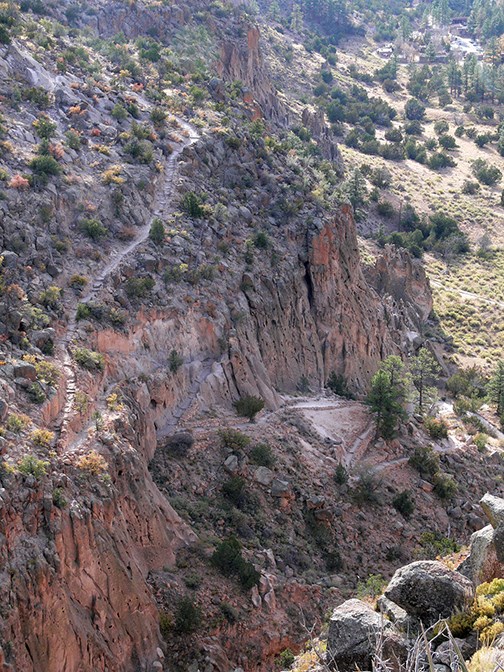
58	498
433	544
141	151
404	503
261	240
469	187
87	359
385	209
139	288
46	129
30	465
441	127
337	384
44	166
73	140
249	406
175	361
440	160
445	485
229	612
234	490
187	616
192	205
372	587
83	312
437	429
447	142
36	393
480	441
165	624
425	461
228	559
485	173
16	423
157	232
285	659
50	297
262	455
92	228
366	489
119	113
340	475
233	439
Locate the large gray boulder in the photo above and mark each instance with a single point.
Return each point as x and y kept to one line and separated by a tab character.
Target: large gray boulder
429	591
357	633
483	562
493	508
498	541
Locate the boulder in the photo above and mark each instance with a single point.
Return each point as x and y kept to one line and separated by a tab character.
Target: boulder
356	632
179	443
493	508
429	591
482	563
444	653
263	476
25	370
280	488
394	612
498	541
231	464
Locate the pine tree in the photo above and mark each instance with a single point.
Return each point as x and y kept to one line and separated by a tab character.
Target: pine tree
355	188
388	395
296	22
496	388
274	11
424	369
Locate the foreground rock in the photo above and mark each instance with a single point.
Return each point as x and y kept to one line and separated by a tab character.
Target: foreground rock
486	557
356	633
494	509
429	591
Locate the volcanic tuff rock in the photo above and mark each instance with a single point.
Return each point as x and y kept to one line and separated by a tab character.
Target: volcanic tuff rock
396	273
429	591
486	557
354	632
242	61
88	603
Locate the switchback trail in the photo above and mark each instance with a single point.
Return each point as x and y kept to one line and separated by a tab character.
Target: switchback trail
467	295
161	208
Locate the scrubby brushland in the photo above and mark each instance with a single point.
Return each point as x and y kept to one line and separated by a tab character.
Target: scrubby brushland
250	331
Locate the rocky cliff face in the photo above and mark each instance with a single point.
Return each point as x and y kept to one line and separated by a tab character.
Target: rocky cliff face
242	61
74	572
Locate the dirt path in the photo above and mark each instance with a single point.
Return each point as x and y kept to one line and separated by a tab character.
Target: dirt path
161	208
346	423
467	295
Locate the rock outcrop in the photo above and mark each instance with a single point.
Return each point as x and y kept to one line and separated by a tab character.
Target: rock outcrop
76	571
428	590
486	556
357	633
314	121
397	274
242	61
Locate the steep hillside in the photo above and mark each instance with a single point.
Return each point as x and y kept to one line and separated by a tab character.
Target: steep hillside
177	235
